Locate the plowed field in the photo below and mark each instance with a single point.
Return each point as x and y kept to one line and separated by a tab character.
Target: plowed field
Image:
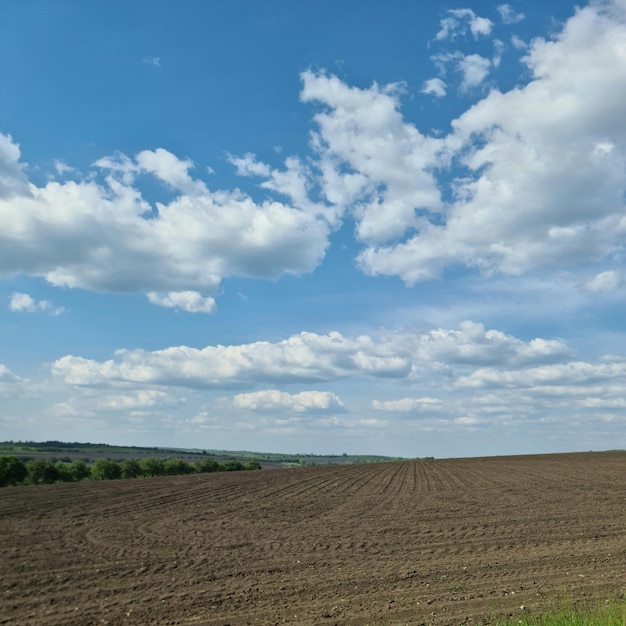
418	542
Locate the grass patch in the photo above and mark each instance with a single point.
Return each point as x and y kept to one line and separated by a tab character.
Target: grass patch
607	613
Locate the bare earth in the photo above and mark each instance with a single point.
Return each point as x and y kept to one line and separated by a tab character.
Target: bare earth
455	541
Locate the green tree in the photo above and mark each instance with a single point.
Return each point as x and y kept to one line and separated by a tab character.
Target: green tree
12	471
65	471
41	472
207	465
131	468
80	470
105	469
175	467
231	466
152	467
252	465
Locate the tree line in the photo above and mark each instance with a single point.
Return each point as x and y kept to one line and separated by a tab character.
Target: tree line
15	471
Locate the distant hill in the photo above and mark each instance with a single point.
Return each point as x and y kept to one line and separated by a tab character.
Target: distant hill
73	451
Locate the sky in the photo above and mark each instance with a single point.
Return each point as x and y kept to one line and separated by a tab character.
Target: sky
389	228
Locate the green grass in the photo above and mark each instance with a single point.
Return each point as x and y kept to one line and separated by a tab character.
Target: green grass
602	613
608	613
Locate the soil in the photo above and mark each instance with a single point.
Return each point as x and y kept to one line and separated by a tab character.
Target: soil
454	541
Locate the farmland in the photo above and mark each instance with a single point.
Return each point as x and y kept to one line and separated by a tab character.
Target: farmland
451	541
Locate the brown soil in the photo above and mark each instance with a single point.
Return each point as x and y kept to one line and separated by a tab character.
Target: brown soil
455	541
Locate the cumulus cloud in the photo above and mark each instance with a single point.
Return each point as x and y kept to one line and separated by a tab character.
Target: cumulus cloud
303	402
473	345
528	179
249	166
458	22
88	403
293	182
13	181
104	236
435	87
537	173
407	405
6	376
140	399
171	170
63	168
508	15
562	374
498	51
371	161
308	357
518	43
303	357
23	303
12	387
190	301
605	282
474	70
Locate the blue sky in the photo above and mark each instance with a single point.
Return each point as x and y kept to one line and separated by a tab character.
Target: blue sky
390	228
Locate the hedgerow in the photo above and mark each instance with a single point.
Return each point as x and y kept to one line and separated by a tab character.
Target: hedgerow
14	471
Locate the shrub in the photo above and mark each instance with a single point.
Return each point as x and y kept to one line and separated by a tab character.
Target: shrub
130	468
105	469
65	471
175	467
80	470
41	472
207	466
152	467
231	466
12	471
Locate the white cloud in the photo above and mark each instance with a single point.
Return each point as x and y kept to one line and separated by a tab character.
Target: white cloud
575	373
312	357
23	303
407	405
542	178
518	43
474	70
88	403
532	178
6	376
190	301
155	61
12	387
303	402
471	344
140	399
435	87
249	166
468	421
293	182
498	51
171	170
63	168
389	174
605	403
106	237
605	281
303	357
508	15
459	21
13	181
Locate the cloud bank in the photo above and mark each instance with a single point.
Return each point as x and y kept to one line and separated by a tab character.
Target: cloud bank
531	178
310	357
